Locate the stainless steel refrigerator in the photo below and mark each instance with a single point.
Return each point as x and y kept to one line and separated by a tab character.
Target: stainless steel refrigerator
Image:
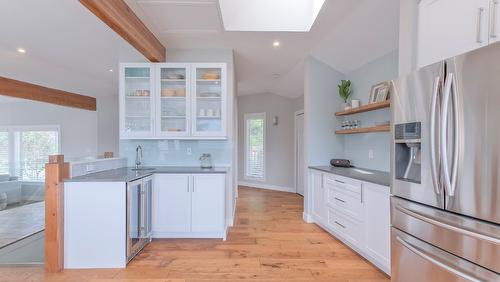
445	204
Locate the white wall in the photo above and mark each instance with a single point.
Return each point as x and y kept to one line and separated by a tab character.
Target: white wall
78	127
75	123
408	13
321	101
279	147
356	146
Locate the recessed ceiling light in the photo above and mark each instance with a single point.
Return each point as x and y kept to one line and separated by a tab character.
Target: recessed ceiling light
21	50
276	44
110	70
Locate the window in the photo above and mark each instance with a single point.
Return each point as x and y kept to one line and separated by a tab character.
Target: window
25	150
255	135
4	152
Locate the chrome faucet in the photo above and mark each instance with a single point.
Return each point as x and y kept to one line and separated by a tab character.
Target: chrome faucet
138	157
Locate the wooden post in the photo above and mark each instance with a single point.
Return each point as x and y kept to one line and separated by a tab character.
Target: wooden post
55	171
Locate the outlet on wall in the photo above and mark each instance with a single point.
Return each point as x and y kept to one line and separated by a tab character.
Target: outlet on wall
370	154
188	151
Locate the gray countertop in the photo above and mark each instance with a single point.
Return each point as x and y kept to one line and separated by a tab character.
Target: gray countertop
368	175
126	174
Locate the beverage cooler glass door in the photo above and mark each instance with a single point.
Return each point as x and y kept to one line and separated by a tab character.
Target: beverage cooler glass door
209	104
173	100
415	99
137	100
134	214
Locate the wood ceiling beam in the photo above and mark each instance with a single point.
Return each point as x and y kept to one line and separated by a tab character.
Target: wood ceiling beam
24	90
119	17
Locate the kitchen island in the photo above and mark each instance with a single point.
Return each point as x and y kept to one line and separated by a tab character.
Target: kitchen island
111	215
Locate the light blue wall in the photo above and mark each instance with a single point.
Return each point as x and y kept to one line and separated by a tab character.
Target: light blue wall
356	146
174	152
320	104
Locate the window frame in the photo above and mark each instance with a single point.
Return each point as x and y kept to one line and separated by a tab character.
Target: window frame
247	117
14	154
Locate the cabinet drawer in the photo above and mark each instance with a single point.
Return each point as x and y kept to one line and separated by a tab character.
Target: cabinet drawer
345	227
348	203
344	184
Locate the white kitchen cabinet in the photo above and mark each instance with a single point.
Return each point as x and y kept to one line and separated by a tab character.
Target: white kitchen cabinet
171	203
137	100
494	17
318	196
173	101
377	224
207	203
447	28
354	211
189	206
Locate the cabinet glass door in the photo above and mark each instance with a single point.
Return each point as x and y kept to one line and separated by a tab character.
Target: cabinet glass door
173	105
138	100
209	103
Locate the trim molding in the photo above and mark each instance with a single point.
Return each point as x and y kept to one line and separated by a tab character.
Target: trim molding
267	186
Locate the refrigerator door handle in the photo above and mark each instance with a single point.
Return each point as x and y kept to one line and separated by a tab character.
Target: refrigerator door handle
435	261
447	226
456	134
444	132
434	104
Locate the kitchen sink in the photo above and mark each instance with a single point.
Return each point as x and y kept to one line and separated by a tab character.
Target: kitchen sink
143	169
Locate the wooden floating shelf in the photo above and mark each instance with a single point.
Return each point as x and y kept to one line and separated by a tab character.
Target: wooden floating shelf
365	108
378	128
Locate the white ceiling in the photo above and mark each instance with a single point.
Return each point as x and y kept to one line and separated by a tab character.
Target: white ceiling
346	35
70	48
67	47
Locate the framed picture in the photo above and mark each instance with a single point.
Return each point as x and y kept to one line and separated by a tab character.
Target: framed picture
379	92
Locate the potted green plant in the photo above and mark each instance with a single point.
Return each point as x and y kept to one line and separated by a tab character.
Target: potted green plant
345	92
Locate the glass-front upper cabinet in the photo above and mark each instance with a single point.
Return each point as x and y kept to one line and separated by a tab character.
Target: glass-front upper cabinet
137	100
209	103
173	100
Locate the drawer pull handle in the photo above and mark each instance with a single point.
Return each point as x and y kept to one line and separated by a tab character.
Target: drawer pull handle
340	200
340	224
339	181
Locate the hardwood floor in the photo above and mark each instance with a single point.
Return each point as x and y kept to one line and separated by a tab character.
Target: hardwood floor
269	242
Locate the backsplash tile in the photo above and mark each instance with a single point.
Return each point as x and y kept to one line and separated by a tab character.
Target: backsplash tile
174	152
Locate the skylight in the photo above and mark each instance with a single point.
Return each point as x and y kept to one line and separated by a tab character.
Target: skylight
269	15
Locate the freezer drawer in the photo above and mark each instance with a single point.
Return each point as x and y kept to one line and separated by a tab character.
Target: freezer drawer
413	260
471	239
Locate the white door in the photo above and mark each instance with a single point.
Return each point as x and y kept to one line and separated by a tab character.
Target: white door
447	28
318	196
137	102
209	100
171	204
173	106
299	153
208	203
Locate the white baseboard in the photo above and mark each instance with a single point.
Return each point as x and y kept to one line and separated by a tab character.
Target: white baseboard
307	217
267	186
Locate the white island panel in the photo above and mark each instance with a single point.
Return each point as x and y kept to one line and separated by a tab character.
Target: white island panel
95	225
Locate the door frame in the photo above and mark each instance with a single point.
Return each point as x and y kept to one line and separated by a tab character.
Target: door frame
295	148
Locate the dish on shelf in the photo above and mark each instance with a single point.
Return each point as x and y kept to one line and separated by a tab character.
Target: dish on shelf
210	76
176	76
168	92
139	93
209	95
